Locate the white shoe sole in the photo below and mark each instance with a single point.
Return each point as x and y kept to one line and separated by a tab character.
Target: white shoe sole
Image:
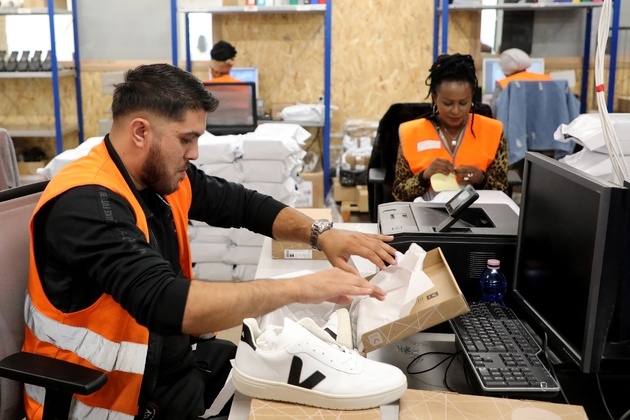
269	390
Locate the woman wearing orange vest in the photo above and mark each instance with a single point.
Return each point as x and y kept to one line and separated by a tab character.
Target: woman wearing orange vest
452	141
110	279
514	64
222	57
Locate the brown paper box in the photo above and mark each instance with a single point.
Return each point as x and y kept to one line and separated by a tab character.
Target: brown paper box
441	303
317	178
416	404
38	4
286	250
341	193
30	168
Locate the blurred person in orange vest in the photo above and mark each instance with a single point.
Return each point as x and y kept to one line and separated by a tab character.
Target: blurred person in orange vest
514	64
452	141
222	58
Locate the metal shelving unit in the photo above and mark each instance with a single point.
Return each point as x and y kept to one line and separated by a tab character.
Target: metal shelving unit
46	130
306	8
538	7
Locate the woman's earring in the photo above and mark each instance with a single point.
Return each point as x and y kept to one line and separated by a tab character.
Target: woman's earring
435	109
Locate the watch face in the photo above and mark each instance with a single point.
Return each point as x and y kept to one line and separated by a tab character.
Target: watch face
322	224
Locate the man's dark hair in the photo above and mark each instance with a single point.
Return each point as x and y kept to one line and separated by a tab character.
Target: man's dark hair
162	89
452	68
222	51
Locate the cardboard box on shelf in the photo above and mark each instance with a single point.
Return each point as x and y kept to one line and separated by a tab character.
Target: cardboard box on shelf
316	178
286	250
341	193
30	168
39	4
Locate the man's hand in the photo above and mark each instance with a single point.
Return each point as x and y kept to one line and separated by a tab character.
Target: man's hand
339	245
334	285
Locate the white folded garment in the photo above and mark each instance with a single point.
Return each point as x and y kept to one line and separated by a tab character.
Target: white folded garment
242	254
282	192
215	149
203	233
245	272
213	271
257	146
244	237
208	252
232	171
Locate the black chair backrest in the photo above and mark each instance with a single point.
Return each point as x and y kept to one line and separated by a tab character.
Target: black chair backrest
386	144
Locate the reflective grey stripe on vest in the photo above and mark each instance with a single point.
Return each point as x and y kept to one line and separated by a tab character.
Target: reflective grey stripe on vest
96	349
78	410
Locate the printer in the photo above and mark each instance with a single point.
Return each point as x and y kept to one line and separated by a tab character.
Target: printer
483	231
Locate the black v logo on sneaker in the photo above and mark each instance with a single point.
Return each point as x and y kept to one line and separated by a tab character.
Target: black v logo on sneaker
296	372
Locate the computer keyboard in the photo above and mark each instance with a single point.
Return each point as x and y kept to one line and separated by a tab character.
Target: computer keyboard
501	352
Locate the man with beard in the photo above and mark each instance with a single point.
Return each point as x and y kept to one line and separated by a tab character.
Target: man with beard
110	283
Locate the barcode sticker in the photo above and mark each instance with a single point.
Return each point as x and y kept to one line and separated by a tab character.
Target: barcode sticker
298	254
251	8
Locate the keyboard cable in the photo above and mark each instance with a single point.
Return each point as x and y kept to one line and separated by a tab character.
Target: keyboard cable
449	356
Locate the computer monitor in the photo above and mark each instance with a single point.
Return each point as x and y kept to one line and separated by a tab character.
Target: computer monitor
569	267
246	74
491	72
236	113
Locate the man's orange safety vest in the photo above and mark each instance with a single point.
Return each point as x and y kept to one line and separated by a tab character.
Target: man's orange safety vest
525	76
103	336
421	144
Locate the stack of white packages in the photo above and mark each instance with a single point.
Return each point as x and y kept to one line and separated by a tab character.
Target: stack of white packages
268	161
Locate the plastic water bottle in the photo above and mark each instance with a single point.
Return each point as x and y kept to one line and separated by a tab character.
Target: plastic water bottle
492	283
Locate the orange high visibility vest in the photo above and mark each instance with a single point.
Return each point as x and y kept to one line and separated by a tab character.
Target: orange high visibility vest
421	143
525	76
226	78
103	336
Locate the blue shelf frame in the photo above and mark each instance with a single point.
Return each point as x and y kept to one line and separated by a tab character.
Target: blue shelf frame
327	74
445	10
55	75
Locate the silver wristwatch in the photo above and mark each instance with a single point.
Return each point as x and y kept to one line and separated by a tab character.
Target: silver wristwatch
319	226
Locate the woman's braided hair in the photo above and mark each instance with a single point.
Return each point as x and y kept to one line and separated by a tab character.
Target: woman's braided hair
451	68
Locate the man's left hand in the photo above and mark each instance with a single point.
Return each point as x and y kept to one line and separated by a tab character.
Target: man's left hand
339	245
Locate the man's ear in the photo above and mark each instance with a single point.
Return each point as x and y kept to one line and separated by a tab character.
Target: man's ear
140	129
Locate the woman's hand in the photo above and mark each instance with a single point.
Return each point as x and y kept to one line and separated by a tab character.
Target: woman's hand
469	174
438	166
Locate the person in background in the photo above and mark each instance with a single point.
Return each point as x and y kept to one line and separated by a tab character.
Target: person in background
222	57
110	281
514	63
452	140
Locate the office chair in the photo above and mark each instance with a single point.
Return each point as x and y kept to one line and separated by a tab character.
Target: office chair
60	379
382	165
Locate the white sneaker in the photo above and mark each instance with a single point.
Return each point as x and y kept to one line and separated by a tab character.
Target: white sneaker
340	328
303	364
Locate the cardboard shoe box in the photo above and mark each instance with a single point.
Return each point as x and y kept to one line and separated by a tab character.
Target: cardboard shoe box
419	404
286	250
440	303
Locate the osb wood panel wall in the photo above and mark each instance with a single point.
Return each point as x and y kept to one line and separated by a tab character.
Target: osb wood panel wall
29	103
381	53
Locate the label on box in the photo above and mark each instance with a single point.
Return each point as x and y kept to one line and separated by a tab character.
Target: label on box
305	194
298	254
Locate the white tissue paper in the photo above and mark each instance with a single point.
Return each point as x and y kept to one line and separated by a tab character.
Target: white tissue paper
404	282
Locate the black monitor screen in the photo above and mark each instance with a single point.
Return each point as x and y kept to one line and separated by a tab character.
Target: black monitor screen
556	254
566	256
236	113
